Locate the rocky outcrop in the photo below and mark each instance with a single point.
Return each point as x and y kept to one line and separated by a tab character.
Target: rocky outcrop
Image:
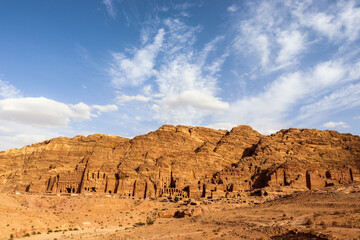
188	162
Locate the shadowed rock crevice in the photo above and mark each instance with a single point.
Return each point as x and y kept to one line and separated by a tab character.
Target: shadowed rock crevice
301	236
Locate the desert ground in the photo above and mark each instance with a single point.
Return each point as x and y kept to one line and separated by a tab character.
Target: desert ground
329	213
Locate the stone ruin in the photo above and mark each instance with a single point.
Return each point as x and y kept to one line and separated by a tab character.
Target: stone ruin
229	183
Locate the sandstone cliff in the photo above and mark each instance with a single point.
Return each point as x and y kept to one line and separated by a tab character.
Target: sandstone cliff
184	161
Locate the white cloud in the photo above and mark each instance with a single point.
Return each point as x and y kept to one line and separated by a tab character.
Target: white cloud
125	98
280	49
342	99
5	129
279	33
180	38
332	125
104	108
232	8
188	89
339	22
292	44
79	112
183	6
267	35
110	8
35	111
209	47
325	25
253	34
135	71
261	43
270	109
26	120
184	85
8	91
46	112
196	99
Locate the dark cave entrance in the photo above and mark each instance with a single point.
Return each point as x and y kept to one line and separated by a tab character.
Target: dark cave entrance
308	180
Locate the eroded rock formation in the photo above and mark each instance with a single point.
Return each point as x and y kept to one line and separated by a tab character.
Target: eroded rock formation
189	162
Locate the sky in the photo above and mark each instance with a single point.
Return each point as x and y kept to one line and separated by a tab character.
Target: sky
125	68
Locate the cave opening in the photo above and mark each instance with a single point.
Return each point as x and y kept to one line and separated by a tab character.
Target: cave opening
308	180
286	183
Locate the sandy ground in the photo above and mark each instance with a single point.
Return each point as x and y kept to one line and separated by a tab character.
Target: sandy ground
332	213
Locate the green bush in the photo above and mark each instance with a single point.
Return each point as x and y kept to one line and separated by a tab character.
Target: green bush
27	235
139	224
176	199
149	221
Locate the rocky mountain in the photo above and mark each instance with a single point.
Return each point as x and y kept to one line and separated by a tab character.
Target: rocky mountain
184	161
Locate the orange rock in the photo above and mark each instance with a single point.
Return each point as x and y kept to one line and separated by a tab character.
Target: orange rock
184	162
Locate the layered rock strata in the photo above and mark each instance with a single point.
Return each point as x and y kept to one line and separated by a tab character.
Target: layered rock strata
188	162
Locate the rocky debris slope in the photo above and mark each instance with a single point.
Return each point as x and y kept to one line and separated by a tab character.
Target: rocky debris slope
187	162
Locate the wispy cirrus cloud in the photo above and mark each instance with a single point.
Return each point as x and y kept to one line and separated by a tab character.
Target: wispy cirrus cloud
125	71
283	63
8	91
283	40
110	8
177	78
291	45
346	97
271	108
337	21
272	34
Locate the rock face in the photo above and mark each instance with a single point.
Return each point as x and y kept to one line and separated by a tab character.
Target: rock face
188	162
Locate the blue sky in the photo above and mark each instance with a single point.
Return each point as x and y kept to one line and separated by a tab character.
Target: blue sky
127	67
